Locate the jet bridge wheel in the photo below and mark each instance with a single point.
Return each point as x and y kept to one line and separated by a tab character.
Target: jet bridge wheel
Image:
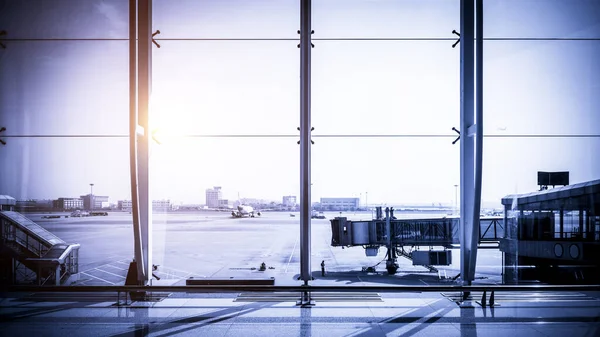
392	270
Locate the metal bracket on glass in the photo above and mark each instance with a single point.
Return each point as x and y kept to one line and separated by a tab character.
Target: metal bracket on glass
457	138
3	32
153	40
457	41
2	141
311	44
311	141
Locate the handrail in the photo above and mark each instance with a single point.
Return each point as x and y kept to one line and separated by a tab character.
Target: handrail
246	288
67	251
15	217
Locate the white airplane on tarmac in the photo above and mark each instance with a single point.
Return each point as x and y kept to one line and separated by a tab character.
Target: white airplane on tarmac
244	210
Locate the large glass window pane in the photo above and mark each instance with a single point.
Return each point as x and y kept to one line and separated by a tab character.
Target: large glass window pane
511	163
393	171
541	87
65	19
64	88
374	87
189	19
217	87
385	19
202	181
50	179
65	153
541	19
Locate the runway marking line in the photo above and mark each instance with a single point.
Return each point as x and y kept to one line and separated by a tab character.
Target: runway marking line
98	278
292	254
104	271
110	265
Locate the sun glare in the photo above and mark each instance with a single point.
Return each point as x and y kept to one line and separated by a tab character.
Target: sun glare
170	121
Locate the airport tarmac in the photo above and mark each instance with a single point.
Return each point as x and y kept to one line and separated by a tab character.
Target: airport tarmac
213	244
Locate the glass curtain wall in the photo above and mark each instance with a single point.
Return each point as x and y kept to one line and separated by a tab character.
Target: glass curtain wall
64	116
225	102
225	108
386	89
541	109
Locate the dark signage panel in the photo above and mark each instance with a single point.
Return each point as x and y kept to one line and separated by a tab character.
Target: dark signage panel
553	178
543	178
559	178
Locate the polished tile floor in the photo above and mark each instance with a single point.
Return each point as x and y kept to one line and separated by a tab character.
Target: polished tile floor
412	314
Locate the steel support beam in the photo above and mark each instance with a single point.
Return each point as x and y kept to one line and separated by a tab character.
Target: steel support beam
144	91
305	140
478	135
133	125
140	73
468	228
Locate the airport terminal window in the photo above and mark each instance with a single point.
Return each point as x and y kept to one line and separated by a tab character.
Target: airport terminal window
225	103
226	98
64	116
540	76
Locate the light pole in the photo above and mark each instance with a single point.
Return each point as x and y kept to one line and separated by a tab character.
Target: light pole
92	197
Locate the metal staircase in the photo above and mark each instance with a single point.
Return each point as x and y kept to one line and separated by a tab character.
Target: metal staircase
31	254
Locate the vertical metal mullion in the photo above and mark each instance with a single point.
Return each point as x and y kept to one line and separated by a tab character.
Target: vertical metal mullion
305	139
467	35
133	123
478	135
144	89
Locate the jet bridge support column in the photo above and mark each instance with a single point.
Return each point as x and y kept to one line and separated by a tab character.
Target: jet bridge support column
305	139
140	79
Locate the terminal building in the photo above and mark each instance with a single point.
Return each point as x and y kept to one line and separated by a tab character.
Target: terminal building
553	235
340	204
161	205
157	205
67	204
289	201
97	201
213	195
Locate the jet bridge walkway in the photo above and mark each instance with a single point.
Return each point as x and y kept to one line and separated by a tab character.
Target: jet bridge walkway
412	232
395	234
30	253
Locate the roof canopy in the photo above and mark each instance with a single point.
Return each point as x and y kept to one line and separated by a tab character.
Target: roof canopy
572	197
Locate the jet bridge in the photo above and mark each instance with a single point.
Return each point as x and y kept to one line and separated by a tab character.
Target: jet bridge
395	234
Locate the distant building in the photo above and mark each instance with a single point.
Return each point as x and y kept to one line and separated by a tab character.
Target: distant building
33	205
124	205
67	204
157	205
289	201
223	203
98	201
161	205
213	196
44	204
340	204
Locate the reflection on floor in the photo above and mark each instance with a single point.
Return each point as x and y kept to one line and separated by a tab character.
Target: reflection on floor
410	314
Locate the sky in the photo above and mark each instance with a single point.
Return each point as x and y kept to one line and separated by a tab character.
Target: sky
75	93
